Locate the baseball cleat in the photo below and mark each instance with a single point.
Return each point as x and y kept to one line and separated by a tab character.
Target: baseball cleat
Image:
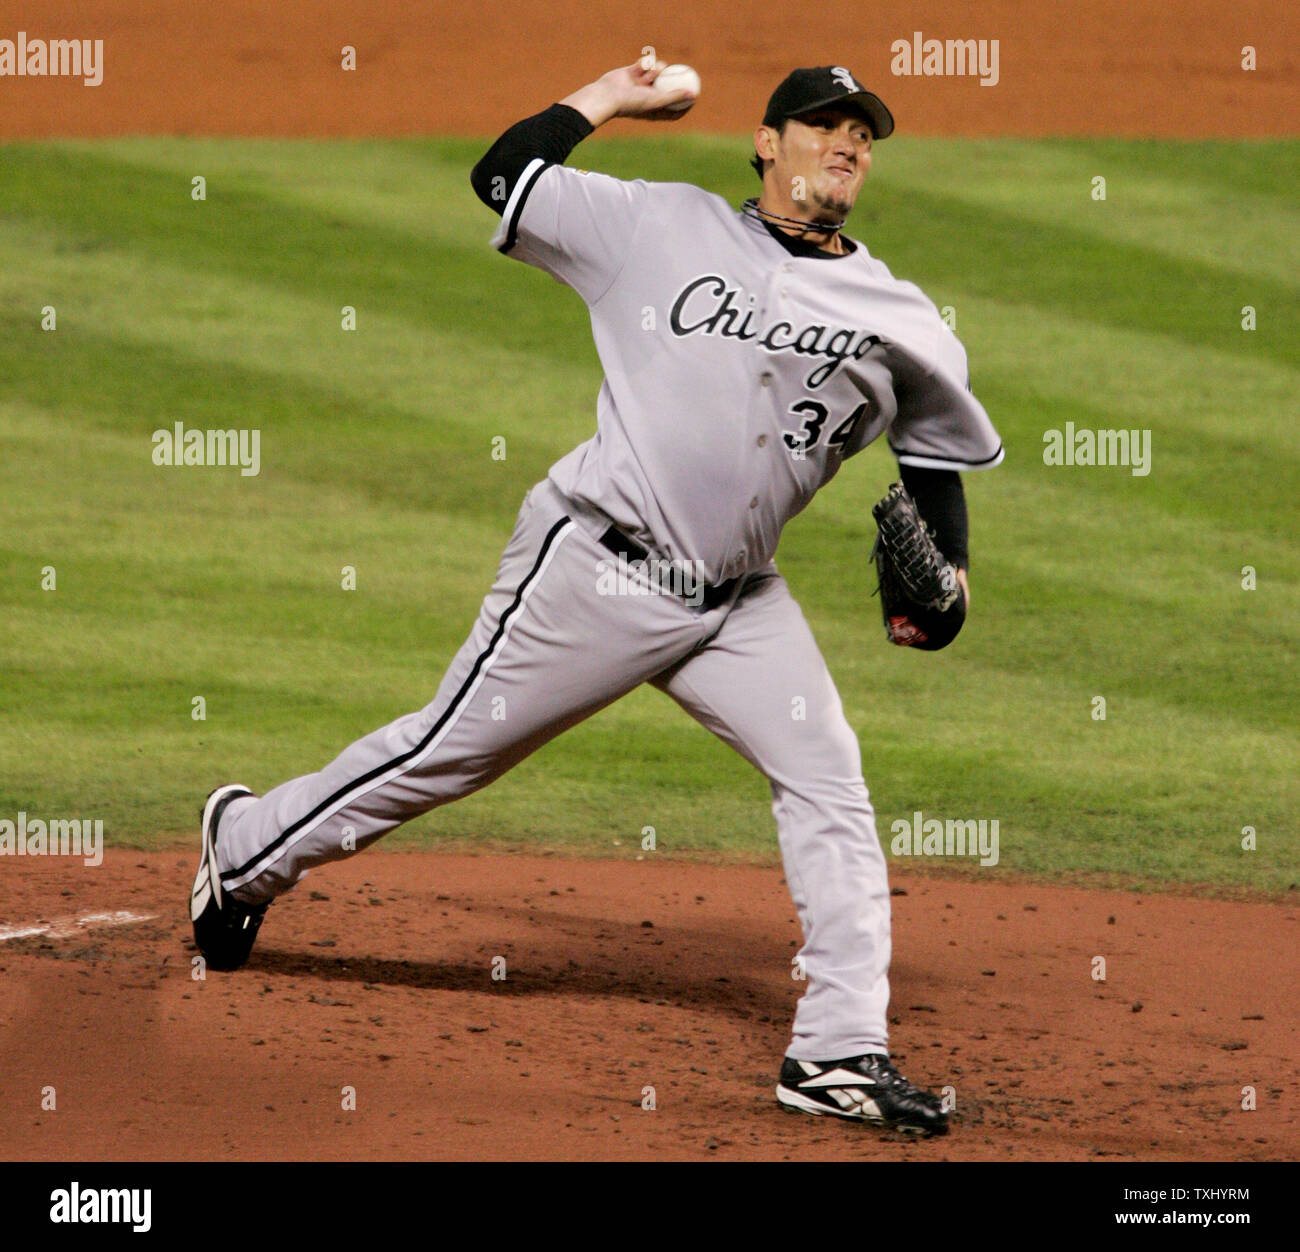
224	928
861	1089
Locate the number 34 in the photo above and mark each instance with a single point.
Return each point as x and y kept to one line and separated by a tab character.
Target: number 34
814	413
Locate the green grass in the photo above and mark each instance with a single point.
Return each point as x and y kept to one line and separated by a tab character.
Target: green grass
376	451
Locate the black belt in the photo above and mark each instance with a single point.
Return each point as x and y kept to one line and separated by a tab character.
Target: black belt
621	545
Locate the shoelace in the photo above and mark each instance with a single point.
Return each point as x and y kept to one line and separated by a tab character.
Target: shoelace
888	1073
888	1076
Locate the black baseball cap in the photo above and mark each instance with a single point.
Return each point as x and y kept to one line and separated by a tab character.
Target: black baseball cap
805	90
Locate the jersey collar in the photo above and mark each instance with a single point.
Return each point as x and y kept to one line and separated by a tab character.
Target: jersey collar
801	247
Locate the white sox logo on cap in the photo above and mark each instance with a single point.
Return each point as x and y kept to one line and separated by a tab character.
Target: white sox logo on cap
845	79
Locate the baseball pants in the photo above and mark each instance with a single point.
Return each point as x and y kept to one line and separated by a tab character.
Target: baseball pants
548	650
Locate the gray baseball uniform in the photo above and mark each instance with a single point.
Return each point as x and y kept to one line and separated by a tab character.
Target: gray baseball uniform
738	376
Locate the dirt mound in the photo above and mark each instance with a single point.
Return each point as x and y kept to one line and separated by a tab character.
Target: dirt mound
376	975
249	68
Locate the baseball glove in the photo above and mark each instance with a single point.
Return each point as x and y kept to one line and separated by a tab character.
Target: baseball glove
920	597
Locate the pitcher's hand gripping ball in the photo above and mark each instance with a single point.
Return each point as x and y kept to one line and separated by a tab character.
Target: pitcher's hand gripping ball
923	604
678	78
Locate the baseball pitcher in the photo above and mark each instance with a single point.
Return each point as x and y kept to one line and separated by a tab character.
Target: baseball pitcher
746	352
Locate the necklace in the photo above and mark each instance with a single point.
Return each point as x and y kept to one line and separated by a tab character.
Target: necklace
750	209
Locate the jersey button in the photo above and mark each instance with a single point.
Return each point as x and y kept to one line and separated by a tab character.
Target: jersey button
765	378
753	504
762	441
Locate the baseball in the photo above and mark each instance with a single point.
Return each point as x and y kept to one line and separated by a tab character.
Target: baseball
678	78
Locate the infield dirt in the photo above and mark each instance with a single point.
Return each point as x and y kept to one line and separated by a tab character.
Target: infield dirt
377	974
248	68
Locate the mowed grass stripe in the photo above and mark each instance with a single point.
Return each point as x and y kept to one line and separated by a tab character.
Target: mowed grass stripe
1087	582
1086	603
419	368
924	232
1171	198
1156	196
416	187
311	433
306	338
1116	284
1089	564
239	231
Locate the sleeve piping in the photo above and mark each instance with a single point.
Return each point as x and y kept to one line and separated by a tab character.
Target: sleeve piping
949	463
507	233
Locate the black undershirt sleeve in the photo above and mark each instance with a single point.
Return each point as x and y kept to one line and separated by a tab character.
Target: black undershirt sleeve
550	135
941	501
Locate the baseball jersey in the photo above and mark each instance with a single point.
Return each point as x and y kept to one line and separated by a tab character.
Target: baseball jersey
738	376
